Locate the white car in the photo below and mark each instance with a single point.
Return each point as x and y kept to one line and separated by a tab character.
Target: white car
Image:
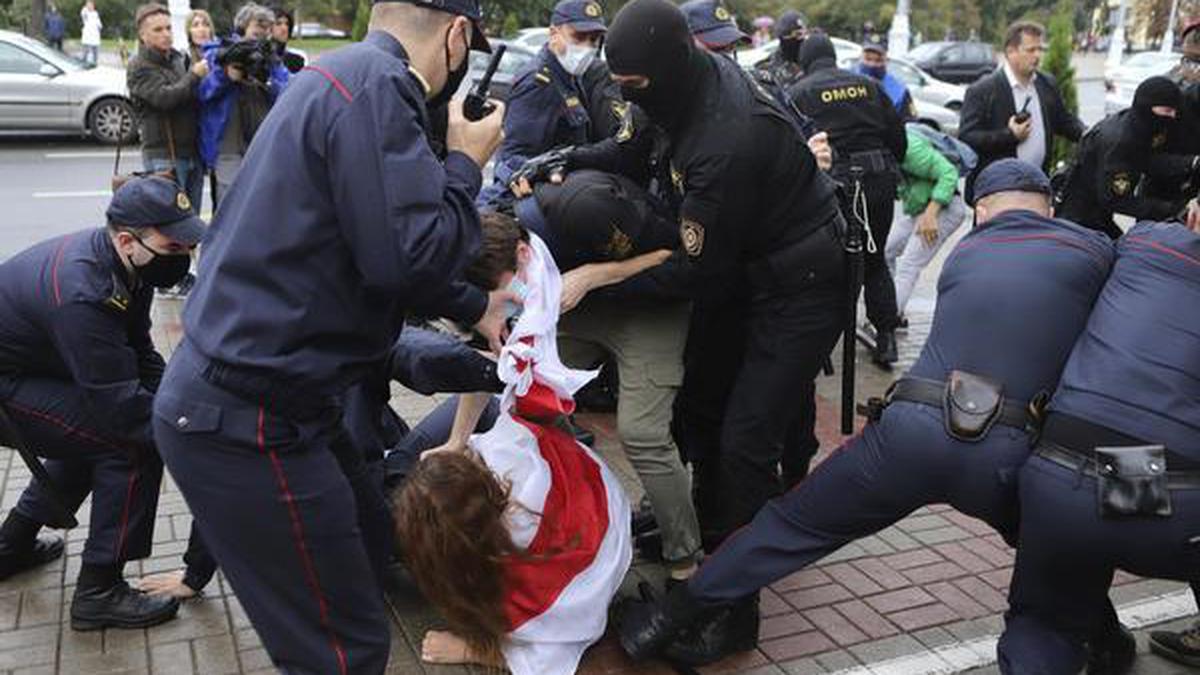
748	58
1122	81
42	89
531	38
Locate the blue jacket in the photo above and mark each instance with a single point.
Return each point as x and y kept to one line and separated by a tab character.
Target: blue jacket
1136	369
218	97
341	221
1016	271
69	311
897	92
56	26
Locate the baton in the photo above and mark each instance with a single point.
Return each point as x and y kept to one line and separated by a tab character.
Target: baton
476	106
854	275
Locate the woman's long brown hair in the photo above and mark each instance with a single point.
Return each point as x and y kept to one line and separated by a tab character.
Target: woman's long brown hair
450	524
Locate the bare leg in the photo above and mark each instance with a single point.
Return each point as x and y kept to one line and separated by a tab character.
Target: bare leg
447	648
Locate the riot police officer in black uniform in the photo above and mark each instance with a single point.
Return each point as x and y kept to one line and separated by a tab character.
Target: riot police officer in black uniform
868	137
784	65
1115	155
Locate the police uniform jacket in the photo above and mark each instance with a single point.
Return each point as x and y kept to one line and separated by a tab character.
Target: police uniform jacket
342	218
854	111
69	311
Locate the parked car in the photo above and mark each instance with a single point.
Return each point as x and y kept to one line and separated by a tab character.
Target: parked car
1120	82
42	89
925	87
319	30
956	62
531	38
514	61
749	58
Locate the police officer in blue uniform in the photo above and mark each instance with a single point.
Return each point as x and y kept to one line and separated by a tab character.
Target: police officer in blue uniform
78	372
293	309
1114	481
981	362
713	27
549	106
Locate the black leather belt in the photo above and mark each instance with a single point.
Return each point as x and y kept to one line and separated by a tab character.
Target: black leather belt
1069	441
1088	463
286	399
1016	414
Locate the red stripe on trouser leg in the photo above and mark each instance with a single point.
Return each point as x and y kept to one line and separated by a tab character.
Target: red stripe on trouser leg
310	571
125	516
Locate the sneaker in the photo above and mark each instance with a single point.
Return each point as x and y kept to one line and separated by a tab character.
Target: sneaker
1180	647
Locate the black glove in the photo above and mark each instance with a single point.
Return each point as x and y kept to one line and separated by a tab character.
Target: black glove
544	167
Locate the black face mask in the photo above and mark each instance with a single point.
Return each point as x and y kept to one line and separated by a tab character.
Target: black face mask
790	50
651	38
163	270
453	78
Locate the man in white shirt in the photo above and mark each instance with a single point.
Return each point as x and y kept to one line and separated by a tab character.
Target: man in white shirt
1016	111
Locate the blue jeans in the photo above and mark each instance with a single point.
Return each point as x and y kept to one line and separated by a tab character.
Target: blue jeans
91	53
188	173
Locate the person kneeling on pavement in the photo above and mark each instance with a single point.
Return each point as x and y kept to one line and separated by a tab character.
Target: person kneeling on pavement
78	372
519	536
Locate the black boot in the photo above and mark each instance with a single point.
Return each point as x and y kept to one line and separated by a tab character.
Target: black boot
1181	647
118	606
28	556
731	630
646	627
885	348
1113	652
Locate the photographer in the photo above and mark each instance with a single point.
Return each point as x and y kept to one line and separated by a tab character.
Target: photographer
163	90
245	77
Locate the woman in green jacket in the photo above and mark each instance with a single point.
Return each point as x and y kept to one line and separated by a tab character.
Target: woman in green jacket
932	209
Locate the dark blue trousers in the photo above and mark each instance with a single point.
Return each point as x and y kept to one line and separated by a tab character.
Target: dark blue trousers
431	432
279	516
82	456
903	462
1065	564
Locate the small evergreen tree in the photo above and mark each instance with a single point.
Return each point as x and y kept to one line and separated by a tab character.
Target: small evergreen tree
1058	64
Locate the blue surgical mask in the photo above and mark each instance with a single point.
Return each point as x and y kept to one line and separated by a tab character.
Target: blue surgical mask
876	72
519	288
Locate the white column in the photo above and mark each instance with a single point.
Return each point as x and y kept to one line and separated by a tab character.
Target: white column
1168	41
179	11
898	35
1116	45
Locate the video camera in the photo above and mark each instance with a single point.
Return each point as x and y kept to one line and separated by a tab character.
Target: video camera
252	57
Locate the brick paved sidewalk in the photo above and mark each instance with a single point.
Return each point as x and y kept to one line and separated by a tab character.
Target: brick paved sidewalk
924	596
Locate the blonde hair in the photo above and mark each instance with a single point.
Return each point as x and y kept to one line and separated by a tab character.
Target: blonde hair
207	19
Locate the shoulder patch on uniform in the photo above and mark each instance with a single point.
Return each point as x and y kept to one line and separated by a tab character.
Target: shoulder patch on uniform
119	298
619	246
1120	183
543	76
691	234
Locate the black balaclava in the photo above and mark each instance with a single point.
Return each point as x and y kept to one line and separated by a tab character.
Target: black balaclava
651	38
789	48
1155	91
817	53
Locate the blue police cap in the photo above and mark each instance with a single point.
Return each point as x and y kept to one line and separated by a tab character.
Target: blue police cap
153	201
1011	175
467	8
873	43
712	24
583	15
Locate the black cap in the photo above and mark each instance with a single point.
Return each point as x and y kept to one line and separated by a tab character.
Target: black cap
712	24
467	8
874	44
593	214
153	201
583	15
789	22
1011	175
1156	91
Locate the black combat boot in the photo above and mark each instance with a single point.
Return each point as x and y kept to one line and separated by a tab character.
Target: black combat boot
1181	647
104	600
645	627
20	547
731	630
1113	652
885	348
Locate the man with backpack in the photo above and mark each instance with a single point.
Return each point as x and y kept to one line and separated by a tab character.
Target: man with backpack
932	207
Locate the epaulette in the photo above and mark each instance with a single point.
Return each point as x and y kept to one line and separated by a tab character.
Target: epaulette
120	296
543	76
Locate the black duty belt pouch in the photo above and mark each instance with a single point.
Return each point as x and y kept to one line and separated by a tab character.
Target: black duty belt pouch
815	259
971	406
1132	481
